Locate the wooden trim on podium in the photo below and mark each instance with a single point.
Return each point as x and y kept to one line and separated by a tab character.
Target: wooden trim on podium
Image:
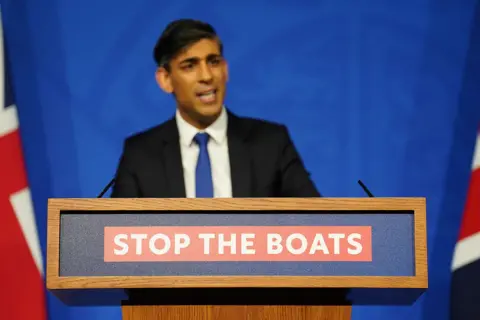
118	282
417	205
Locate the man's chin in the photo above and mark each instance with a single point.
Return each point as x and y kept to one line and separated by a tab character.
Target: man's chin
208	114
210	110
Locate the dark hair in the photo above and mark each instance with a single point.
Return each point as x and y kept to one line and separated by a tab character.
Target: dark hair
180	34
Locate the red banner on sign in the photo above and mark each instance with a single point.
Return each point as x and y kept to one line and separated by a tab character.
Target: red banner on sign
238	243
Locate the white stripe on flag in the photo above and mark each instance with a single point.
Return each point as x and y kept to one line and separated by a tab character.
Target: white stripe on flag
476	157
22	205
8	114
8	120
466	251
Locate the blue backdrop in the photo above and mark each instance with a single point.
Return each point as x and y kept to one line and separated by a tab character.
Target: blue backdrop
383	91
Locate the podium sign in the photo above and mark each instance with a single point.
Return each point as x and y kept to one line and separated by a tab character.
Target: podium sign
132	244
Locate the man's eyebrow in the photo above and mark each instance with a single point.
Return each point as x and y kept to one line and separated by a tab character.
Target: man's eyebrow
189	60
196	59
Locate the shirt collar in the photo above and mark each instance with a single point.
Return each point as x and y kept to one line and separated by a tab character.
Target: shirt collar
217	130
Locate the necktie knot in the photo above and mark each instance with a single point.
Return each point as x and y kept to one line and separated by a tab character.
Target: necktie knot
201	139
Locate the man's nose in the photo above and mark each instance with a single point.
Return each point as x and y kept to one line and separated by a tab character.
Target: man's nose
205	72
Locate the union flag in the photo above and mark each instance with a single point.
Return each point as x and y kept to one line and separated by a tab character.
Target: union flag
465	294
22	288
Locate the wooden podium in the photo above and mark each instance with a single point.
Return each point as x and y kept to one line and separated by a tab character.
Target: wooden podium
234	259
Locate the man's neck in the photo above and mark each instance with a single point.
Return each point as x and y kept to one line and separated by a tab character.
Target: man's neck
198	123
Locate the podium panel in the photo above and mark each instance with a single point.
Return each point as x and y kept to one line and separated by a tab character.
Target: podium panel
236	312
228	258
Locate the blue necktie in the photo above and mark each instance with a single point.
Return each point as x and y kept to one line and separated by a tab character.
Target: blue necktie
203	179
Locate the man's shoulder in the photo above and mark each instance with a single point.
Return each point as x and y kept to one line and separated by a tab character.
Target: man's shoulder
259	127
151	135
260	123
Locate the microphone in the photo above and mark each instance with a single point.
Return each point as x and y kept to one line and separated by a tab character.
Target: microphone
364	187
106	188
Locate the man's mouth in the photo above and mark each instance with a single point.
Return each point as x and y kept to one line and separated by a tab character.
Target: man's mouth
208	96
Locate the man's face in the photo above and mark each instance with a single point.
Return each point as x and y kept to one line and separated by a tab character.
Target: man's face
198	79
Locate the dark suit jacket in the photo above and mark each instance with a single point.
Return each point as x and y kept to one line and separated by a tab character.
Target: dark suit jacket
263	161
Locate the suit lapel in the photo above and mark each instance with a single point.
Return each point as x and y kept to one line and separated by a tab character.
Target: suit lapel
173	161
240	160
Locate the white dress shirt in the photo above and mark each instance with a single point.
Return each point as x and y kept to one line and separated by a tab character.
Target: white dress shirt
217	150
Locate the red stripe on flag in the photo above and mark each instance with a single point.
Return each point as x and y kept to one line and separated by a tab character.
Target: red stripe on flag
12	170
471	217
22	291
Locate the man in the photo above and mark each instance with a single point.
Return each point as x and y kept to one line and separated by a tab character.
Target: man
205	150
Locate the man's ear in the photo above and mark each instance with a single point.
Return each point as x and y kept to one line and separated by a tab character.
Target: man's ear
226	72
164	80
